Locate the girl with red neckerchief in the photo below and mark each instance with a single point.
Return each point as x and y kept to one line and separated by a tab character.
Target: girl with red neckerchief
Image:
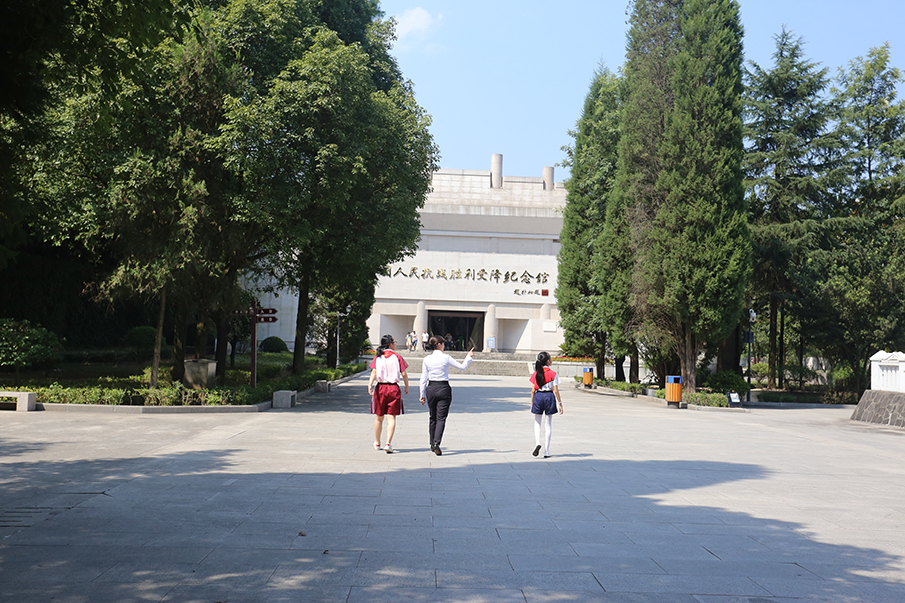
544	400
383	386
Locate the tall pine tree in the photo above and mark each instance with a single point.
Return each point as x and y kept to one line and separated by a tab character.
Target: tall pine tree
680	173
788	156
593	163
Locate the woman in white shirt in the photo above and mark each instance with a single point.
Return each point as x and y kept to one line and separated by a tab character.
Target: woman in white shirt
387	369
435	388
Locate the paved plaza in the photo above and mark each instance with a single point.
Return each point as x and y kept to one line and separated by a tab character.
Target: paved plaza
639	503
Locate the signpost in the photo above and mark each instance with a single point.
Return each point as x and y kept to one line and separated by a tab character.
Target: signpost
257	315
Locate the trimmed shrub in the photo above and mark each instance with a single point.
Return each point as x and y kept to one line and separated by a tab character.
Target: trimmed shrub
141	338
273	344
725	382
704	399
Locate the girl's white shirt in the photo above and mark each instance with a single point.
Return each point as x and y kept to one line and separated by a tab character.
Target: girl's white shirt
435	367
388	369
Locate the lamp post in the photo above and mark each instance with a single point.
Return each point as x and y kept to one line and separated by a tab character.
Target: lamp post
338	315
752	318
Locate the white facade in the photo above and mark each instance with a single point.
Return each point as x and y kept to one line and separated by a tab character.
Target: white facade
485	269
887	371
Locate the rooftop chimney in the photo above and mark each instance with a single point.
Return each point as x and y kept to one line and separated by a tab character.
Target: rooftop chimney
496	171
548	179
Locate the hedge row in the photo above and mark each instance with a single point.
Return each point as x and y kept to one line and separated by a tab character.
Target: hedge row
175	394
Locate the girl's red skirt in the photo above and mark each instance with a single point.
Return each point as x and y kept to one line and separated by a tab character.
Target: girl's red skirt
387	400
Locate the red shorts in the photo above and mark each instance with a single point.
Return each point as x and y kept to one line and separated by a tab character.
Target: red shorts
387	400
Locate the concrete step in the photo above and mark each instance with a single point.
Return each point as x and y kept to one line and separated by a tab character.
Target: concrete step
514	368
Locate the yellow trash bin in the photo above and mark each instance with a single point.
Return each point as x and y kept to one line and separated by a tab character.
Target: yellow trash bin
588	377
674	389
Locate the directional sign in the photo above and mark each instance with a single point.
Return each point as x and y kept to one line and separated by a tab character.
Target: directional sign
267	310
248	312
265	318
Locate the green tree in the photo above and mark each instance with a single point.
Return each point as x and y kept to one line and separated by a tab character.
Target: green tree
144	185
680	173
343	157
47	42
847	290
23	344
647	98
788	157
593	163
698	260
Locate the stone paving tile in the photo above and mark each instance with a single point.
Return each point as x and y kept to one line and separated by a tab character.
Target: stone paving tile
696	585
565	581
438	595
538	561
554	596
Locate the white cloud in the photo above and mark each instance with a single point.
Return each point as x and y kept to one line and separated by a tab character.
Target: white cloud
415	23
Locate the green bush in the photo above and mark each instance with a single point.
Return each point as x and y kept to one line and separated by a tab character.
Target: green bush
760	371
725	382
141	338
705	399
622	386
839	398
24	345
797	373
273	344
112	391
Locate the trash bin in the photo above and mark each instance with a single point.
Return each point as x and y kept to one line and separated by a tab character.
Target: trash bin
674	389
588	378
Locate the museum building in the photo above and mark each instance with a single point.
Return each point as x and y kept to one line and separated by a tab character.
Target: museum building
484	272
486	265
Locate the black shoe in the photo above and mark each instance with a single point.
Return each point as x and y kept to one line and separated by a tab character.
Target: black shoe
437	451
536	450
546	456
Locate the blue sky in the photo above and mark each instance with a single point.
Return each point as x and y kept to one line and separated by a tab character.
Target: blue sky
510	76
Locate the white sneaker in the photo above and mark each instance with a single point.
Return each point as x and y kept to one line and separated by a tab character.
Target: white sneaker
376	446
388	448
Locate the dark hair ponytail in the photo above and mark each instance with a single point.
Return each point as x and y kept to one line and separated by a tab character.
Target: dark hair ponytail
385	342
542	359
434	341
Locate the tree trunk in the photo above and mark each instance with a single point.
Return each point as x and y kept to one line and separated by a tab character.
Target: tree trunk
201	335
620	368
689	359
301	323
771	353
158	339
634	368
728	357
782	345
179	330
222	344
600	358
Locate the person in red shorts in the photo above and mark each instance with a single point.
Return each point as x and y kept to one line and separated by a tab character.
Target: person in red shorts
387	369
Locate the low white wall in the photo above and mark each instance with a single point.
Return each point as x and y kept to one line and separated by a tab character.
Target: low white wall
887	371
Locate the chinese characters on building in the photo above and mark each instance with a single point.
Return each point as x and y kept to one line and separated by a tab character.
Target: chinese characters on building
470	274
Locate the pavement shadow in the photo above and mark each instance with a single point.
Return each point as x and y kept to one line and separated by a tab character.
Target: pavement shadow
183	527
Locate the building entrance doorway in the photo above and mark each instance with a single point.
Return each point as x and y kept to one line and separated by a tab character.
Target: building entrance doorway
466	328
